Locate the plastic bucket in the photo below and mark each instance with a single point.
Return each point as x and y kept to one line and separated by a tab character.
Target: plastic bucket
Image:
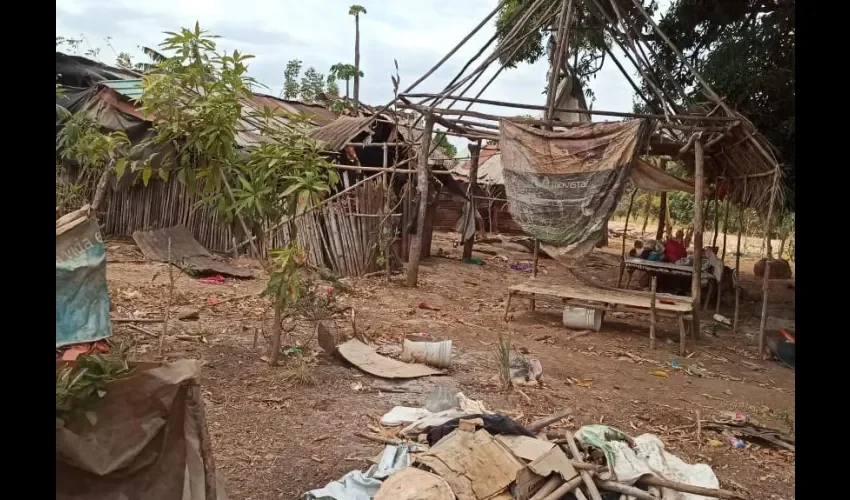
436	354
580	318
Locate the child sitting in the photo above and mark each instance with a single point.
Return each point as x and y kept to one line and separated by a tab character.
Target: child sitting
635	251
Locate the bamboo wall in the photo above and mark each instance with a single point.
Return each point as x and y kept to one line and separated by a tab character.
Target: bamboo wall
342	235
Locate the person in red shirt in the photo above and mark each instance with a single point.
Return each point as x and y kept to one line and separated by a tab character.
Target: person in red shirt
674	250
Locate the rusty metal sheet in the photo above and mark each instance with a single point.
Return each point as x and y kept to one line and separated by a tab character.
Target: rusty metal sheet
186	252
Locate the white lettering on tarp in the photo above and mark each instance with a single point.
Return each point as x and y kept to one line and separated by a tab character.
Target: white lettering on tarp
79	247
548	184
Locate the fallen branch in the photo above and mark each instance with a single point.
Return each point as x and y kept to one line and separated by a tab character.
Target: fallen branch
137	320
689	488
585	475
539	425
627	490
564	489
378	439
143	330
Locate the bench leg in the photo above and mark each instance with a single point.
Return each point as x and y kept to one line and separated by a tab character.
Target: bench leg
683	337
508	306
695	323
652	314
620	275
708	295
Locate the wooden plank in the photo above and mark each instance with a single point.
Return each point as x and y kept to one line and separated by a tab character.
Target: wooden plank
624	297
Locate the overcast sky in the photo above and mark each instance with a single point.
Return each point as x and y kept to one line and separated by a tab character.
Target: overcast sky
416	33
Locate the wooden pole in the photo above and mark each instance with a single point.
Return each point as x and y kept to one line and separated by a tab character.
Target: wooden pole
422	184
662	213
561	42
625	231
766	280
652	312
388	222
474	150
699	189
737	282
535	258
725	229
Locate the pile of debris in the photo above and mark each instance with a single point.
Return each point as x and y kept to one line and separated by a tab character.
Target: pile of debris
468	453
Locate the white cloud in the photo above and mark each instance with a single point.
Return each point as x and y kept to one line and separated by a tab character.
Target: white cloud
414	32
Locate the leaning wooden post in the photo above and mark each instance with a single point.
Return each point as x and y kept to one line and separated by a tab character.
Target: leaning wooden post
699	191
652	313
625	230
725	229
535	258
422	184
474	150
388	221
766	279
737	282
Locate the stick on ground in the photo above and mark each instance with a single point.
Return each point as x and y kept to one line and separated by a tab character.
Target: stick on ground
539	425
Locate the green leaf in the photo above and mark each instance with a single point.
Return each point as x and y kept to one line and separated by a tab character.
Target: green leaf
146	175
120	166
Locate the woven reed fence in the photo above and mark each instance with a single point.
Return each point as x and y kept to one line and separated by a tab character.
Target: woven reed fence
342	235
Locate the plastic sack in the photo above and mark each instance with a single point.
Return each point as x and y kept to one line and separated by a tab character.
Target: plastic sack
82	298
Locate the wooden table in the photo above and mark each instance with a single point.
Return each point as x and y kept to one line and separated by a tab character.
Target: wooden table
655	268
606	299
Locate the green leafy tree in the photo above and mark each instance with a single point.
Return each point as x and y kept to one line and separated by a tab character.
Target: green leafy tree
585	53
745	49
443	143
343	71
356	11
195	97
312	85
291	87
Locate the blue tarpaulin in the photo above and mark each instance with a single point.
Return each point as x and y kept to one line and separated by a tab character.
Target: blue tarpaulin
82	298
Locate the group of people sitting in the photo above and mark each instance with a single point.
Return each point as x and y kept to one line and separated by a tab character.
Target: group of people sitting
672	250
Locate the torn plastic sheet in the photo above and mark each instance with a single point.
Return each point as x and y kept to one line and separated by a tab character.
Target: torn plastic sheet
646	457
465	406
359	485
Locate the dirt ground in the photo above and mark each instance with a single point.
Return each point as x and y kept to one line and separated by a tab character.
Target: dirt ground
275	438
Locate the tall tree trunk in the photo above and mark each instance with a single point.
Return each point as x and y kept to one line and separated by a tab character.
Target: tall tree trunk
346	88
646	208
356	62
662	216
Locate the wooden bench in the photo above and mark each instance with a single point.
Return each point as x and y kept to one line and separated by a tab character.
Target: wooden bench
574	294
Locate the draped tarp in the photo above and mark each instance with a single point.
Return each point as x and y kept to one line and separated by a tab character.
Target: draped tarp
562	186
649	178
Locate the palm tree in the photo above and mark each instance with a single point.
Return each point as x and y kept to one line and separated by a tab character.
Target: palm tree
343	71
356	10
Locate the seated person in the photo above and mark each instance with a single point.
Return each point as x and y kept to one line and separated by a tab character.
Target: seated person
634	252
674	249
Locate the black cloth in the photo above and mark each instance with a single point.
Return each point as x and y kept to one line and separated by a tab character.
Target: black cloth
493	423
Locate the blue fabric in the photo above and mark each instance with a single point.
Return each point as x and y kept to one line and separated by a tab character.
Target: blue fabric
82	298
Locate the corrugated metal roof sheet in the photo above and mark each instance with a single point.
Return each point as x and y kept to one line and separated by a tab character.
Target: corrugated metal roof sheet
489	167
131	88
334	136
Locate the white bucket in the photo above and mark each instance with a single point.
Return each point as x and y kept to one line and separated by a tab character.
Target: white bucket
579	318
436	354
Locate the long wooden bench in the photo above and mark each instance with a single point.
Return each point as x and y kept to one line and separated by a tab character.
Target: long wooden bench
576	294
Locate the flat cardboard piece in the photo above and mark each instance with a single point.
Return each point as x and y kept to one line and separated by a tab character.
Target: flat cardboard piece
532	477
476	466
525	447
364	357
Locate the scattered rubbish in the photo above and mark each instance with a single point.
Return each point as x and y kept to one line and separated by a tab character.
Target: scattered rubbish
440	399
82	297
715	443
188	314
474	464
436	354
404	415
633	459
581	318
754	432
784	351
525	371
674	363
186	253
733	441
365	358
493	423
524	267
526	448
356	386
423	305
660	373
212	280
735	416
465	407
531	478
75	351
359	485
415	484
722	319
474	260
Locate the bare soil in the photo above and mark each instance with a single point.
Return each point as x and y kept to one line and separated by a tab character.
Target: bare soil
277	438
